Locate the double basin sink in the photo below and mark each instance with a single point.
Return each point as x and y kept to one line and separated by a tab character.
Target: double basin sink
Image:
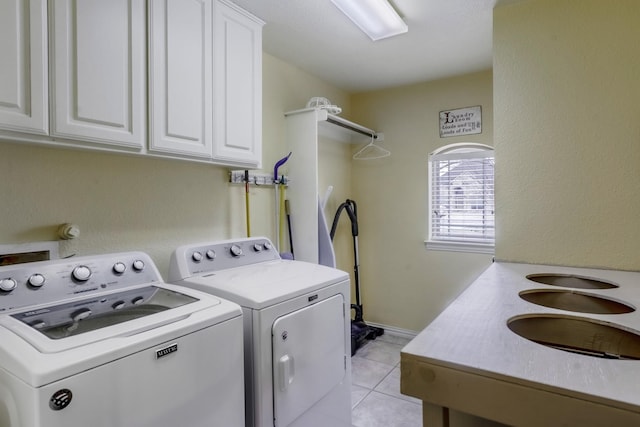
577	333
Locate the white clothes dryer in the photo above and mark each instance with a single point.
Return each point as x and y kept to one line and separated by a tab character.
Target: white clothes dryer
101	341
296	329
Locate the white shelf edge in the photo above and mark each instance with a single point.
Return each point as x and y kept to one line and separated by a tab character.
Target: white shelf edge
338	128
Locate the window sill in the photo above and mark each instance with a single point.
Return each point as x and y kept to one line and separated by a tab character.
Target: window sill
459	247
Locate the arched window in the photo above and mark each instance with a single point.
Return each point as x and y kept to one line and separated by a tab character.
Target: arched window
461	200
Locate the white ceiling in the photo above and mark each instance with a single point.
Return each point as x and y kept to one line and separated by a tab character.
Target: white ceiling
445	38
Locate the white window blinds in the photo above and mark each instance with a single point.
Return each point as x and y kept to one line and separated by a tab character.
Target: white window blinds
462	201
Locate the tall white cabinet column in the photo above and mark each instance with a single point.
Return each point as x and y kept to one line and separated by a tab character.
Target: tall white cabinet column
304	131
23	67
302	192
98	71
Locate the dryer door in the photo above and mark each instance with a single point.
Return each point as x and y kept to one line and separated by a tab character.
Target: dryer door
309	357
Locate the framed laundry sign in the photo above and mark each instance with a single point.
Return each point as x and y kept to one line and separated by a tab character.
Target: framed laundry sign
461	121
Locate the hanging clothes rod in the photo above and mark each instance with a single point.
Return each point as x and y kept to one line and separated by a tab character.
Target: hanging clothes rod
337	126
352	127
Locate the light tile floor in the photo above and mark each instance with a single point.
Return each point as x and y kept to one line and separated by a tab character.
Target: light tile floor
375	393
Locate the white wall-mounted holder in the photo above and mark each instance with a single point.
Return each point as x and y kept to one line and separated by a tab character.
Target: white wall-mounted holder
68	231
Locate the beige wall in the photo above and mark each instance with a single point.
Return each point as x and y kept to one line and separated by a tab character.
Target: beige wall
119	202
129	203
403	284
567	132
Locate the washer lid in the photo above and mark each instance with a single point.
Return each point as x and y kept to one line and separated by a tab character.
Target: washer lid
78	317
263	284
52	329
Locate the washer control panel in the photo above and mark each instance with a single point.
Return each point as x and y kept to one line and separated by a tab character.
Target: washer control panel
221	255
48	281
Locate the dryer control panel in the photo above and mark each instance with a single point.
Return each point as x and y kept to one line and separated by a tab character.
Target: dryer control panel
190	260
44	282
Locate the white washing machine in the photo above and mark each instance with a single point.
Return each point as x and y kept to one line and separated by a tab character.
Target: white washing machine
101	341
296	329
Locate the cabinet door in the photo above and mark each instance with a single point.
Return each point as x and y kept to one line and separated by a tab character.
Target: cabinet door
98	71
181	77
23	82
238	86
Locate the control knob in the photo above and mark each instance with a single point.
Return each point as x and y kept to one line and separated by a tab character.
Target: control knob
267	246
7	285
257	247
36	280
81	273
211	254
235	250
119	267
138	265
196	256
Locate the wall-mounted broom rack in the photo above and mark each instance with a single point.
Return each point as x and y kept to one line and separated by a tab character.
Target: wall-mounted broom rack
256	178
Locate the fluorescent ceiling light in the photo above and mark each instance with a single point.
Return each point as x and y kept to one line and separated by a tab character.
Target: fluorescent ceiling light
376	18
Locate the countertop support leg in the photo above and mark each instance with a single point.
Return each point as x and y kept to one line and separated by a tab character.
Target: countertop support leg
434	415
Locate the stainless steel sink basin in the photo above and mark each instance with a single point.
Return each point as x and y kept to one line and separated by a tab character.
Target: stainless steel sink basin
571	281
578	335
575	301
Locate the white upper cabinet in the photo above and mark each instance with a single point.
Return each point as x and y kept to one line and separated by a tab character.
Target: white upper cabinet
238	86
181	77
23	72
75	73
98	73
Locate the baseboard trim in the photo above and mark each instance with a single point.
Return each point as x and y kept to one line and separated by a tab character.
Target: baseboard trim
392	330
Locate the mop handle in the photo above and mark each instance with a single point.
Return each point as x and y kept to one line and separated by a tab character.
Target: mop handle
288	212
277	186
246	201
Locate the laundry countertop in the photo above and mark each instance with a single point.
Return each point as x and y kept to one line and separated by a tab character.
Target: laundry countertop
469	360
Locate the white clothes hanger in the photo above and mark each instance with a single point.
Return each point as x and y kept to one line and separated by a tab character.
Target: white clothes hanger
371	151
